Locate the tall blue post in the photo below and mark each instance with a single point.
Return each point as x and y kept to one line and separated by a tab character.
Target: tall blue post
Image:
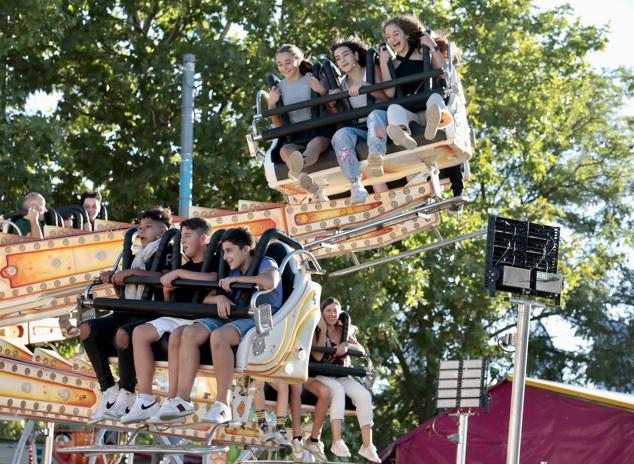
187	135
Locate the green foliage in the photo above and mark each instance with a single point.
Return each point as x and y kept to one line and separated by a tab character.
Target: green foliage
551	148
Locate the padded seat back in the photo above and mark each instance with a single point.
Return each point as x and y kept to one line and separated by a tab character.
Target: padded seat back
278	252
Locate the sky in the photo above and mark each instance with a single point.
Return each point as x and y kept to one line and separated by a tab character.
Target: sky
616	14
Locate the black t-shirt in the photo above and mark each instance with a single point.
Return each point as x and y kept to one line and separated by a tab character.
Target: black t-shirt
164	266
186	294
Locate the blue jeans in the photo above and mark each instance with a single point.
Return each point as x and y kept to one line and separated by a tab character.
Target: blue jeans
345	140
241	325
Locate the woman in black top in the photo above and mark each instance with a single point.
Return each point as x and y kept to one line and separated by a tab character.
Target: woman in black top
406	36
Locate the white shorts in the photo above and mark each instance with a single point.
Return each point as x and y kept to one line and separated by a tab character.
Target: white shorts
169	324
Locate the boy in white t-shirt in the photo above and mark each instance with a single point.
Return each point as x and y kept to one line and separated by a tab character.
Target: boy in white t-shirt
194	237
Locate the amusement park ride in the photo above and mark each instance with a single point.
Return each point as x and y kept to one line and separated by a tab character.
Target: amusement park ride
48	286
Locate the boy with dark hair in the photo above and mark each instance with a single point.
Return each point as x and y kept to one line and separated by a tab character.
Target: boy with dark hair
194	235
237	245
91	202
107	335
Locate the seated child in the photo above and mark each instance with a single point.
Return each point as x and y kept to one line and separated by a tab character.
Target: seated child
223	333
107	335
194	235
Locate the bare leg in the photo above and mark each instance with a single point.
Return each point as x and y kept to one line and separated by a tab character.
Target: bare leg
258	399
281	406
172	361
366	435
296	409
189	358
142	338
315	147
222	339
335	427
288	149
322	392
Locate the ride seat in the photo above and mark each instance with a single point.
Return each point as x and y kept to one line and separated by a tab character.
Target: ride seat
328	159
276	251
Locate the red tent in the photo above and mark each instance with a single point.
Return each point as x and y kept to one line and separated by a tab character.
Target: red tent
561	424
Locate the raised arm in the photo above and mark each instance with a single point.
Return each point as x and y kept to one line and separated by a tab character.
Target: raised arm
384	59
437	58
274	96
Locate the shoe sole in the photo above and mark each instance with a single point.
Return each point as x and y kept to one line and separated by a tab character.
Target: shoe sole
178	420
173	416
96	420
401	137
295	164
306	182
375	165
209	421
136	419
432	118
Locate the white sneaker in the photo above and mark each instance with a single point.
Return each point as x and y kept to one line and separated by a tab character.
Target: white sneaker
369	452
156	418
358	193
316	448
107	401
122	405
175	409
218	413
340	449
295	164
375	164
432	121
279	437
401	137
298	450
141	411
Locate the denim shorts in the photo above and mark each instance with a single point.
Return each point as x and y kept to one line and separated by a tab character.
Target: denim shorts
241	325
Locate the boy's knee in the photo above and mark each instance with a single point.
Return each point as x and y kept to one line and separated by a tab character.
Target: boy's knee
144	333
84	331
122	339
175	338
222	337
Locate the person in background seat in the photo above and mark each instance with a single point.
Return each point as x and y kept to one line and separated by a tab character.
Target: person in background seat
328	333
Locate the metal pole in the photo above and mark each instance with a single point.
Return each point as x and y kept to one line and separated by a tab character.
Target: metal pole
461	452
187	135
48	444
29	426
519	378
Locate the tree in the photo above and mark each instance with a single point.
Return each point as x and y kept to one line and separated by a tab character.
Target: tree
551	147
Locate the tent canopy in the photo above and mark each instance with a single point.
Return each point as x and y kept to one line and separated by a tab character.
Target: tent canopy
561	423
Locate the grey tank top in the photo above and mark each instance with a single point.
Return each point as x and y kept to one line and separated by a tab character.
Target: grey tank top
295	92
